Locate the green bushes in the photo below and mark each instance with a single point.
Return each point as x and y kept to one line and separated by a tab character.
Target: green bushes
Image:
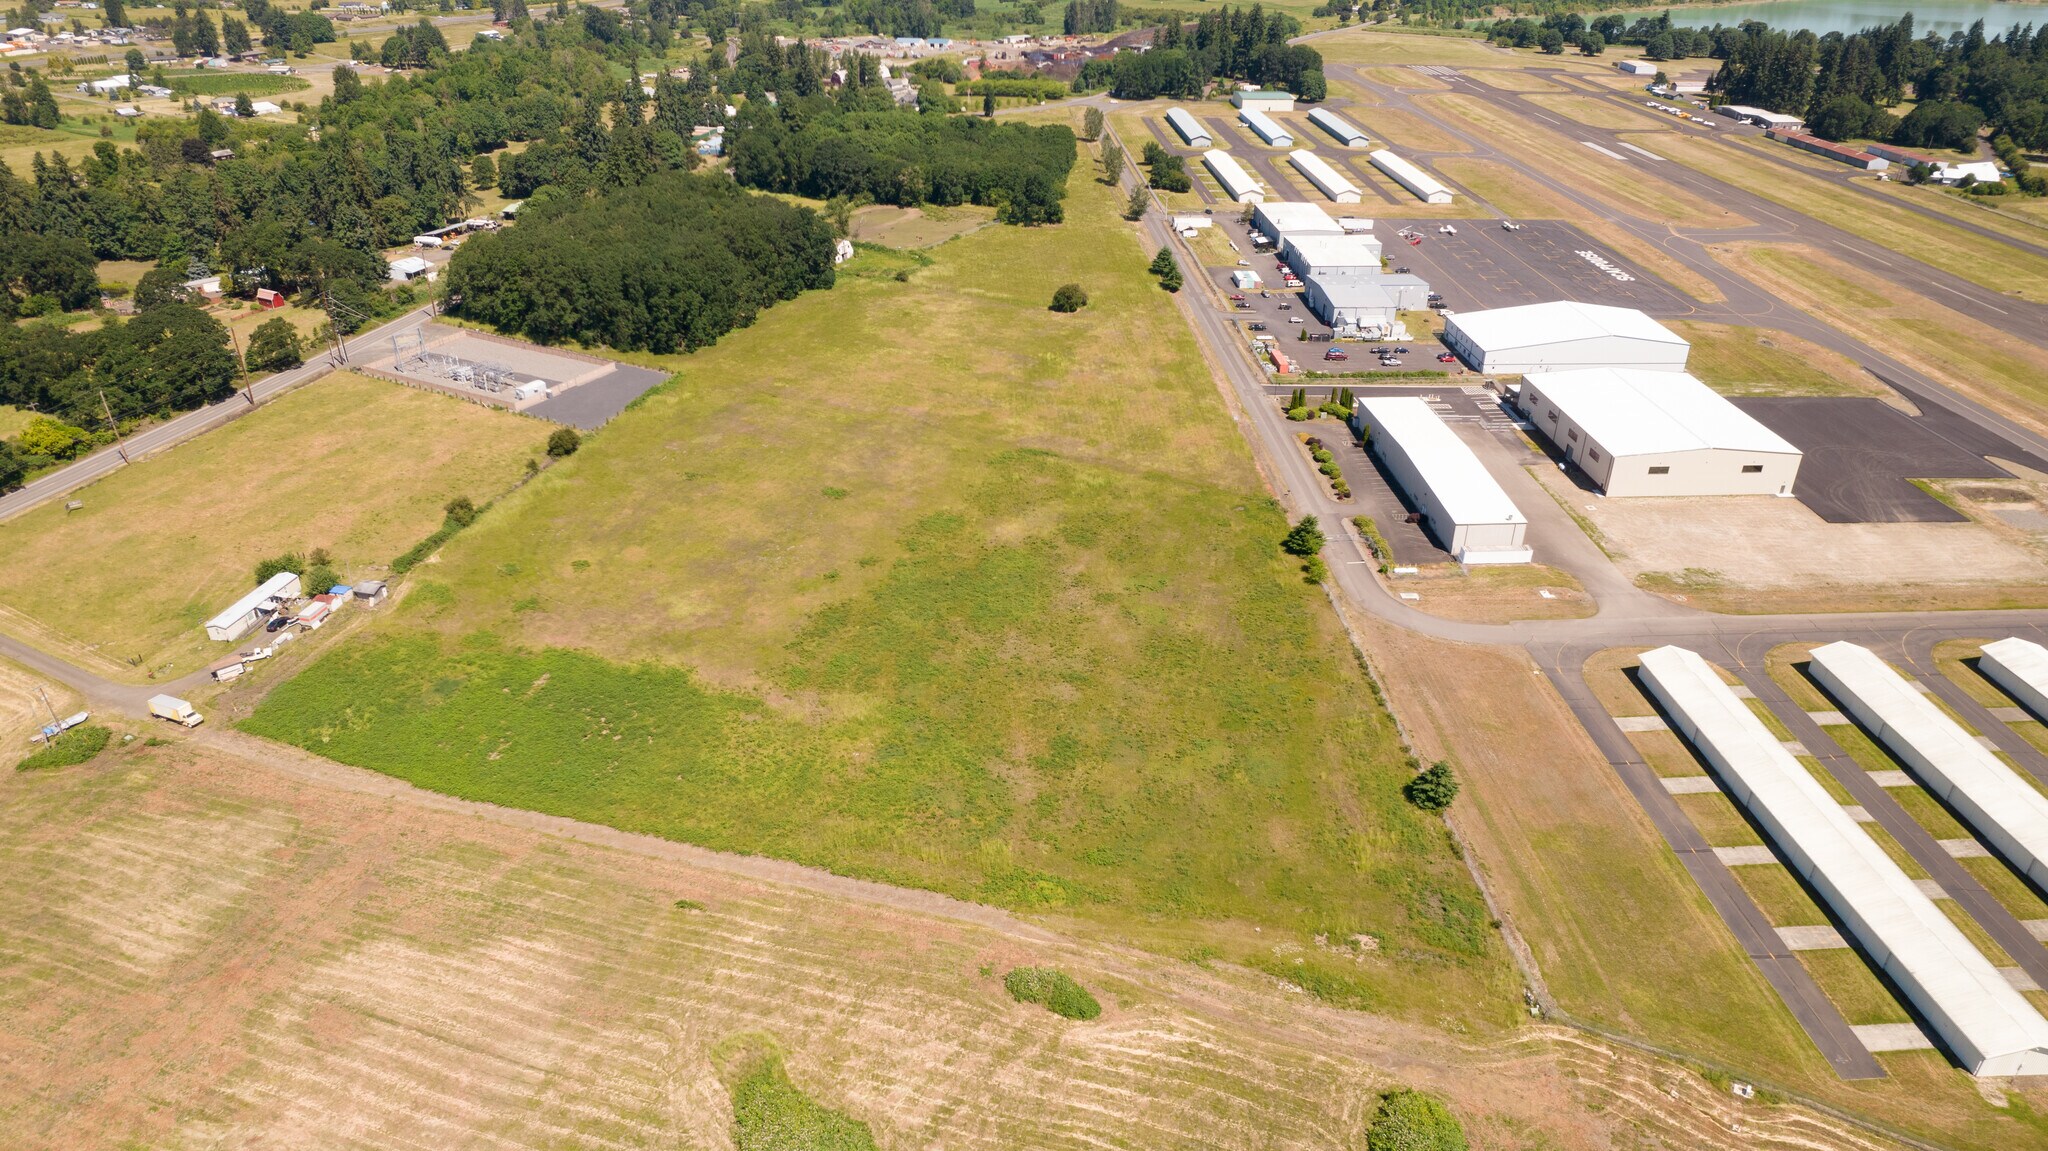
1038	91
1053	990
460	513
769	1113
1408	1120
1432	789
1167	269
563	442
73	747
1069	298
1304	539
1374	540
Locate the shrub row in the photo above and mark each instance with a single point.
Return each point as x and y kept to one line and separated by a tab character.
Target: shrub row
73	747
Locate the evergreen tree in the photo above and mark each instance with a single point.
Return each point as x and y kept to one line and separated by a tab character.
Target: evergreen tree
1432	789
1306	537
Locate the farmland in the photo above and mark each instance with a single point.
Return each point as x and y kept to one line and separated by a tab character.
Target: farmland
159	547
1032	626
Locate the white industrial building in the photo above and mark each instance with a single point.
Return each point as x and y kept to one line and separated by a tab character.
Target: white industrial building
235	621
2019	666
1461	503
1761	117
1263	99
1284	220
1562	335
1189	128
1360	306
109	85
1424	185
1345	132
1326	256
1237	183
1329	181
1637	67
2007	811
1268	129
1991	1028
1637	433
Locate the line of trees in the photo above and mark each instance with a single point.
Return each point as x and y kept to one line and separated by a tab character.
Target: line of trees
1247	44
671	263
166	359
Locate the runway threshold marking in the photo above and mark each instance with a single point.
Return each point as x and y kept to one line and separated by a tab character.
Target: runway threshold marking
1607	152
1640	151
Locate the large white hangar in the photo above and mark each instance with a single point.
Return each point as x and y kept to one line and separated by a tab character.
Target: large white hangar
1284	220
1562	335
1461	503
1189	128
1329	181
1991	1028
1333	255
1638	433
1237	183
1270	130
1345	132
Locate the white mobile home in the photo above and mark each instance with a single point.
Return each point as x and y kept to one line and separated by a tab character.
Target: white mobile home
1422	184
1327	180
1461	503
237	618
1638	433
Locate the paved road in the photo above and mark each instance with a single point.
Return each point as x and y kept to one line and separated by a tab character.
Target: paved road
172	432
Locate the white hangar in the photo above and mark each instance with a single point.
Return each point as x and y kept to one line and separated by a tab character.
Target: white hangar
1638	433
1563	335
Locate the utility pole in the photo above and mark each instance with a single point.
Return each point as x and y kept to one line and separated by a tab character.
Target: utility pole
118	445
56	725
248	388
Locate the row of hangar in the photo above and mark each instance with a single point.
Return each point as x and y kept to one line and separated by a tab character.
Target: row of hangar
1239	185
1607	388
1972	1008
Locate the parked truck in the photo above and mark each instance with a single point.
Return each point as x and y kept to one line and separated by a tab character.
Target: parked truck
174	709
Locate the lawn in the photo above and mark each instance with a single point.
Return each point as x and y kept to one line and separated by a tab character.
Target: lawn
357	466
216	83
1598	113
1739	361
919	581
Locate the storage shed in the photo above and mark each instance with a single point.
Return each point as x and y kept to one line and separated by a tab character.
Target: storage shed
238	617
1461	503
1264	99
1329	181
1636	67
1639	433
1266	128
1346	132
1189	129
370	593
1237	184
1326	256
1562	335
1976	1013
1422	184
1284	220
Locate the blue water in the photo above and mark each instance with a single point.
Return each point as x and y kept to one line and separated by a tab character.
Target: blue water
1823	16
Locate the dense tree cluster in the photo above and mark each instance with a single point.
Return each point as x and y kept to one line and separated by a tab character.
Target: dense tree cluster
1084	16
860	143
1246	44
672	263
166	359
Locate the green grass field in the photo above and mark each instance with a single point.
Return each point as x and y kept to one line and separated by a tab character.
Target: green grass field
161	546
211	83
1000	615
1761	362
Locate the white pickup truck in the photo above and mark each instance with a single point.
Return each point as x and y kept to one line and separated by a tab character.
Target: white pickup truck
174	709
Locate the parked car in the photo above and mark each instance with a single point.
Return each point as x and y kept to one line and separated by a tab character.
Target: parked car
1389	362
1400	351
278	622
1258	327
1265	295
1287	307
1336	354
1237	295
1294	319
1446	358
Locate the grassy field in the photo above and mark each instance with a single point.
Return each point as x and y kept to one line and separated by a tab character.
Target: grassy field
1001	616
1615	182
1997	369
917	227
1598	113
1500	593
1761	362
202	952
255	84
164	544
1979	259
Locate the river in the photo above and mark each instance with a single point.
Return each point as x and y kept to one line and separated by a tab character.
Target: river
1823	16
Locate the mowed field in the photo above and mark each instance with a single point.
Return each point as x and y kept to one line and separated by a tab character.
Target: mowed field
203	953
922	582
360	467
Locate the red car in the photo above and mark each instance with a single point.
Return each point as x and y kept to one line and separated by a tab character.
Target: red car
1237	295
1336	354
1446	358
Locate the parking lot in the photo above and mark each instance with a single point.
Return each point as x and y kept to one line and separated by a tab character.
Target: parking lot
1485	265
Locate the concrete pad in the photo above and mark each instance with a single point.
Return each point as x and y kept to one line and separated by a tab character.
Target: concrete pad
1892	1037
1930	889
2038	928
1690	784
1821	938
1963	849
1893	778
2020	980
1921	687
1985	740
1641	723
1742	691
1795	747
1744	856
1827	718
1857	813
2009	714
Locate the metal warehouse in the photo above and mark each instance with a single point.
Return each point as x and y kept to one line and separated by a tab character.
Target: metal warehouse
1989	1026
1264	99
1189	128
1346	133
1360	304
1854	157
1997	804
1561	335
1637	433
1284	220
1236	182
2020	667
1270	130
1327	180
244	613
1461	503
1327	256
1409	176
